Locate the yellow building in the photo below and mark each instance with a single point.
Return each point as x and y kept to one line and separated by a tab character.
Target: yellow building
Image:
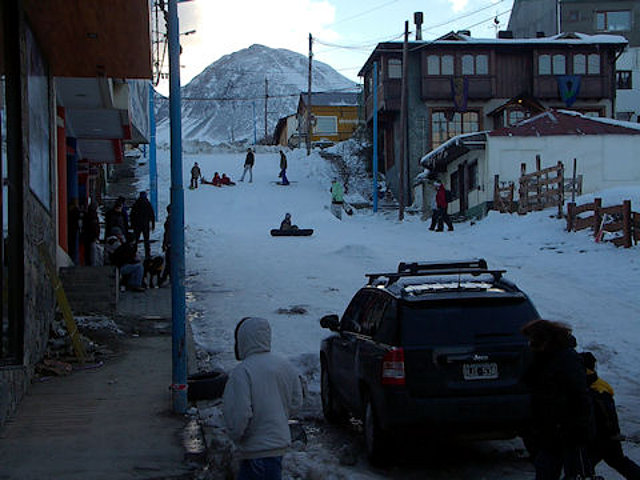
334	116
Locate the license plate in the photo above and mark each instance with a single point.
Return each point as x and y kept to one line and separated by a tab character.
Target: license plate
480	371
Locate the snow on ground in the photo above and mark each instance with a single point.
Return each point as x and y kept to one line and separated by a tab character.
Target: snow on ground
236	269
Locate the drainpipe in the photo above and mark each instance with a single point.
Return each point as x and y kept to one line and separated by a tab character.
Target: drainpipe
179	351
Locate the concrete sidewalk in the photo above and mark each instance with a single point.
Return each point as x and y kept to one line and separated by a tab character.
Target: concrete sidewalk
112	422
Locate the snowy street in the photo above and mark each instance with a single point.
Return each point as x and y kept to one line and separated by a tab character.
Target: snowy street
234	268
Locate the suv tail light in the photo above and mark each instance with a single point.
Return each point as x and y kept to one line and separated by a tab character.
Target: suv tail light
393	367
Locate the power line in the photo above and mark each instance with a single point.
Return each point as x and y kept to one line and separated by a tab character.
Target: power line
363	13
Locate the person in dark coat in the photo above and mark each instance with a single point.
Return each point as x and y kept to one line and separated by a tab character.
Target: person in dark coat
196	174
286	223
283	168
442	204
142	217
115	217
248	165
606	444
562	423
90	234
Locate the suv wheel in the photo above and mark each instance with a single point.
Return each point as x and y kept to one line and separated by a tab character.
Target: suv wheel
333	411
375	438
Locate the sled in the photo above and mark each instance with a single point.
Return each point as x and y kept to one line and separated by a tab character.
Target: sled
300	232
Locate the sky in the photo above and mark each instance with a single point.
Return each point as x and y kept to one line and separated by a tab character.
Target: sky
344	31
234	268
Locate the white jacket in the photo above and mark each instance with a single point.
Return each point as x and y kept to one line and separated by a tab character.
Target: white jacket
261	394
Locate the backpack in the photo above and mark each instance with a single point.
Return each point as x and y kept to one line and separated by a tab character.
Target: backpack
448	196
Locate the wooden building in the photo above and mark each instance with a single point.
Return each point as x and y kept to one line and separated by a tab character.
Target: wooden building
458	84
334	116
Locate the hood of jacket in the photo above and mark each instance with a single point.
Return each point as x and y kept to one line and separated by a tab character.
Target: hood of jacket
253	335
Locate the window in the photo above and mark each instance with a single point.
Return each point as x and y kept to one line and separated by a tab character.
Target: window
326	126
579	64
440	65
594	64
623	80
475	65
395	68
448	124
544	65
613	21
552	65
559	65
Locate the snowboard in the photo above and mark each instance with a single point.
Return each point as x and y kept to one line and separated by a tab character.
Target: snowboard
291	182
300	232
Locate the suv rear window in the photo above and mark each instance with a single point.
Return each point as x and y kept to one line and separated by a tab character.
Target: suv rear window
466	321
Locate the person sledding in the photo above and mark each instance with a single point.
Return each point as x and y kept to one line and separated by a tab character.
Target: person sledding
286	223
226	180
287	228
216	181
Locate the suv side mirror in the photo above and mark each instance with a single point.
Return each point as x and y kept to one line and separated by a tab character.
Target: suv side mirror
332	322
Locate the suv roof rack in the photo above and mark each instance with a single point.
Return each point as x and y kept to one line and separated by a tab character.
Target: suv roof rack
424	269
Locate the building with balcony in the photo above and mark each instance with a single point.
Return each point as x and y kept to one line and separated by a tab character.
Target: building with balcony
459	85
619	17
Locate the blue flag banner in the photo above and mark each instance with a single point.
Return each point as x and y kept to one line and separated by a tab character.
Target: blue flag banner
569	87
460	93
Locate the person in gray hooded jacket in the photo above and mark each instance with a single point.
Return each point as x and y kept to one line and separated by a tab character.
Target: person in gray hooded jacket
261	394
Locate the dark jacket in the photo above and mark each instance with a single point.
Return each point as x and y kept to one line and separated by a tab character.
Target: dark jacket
91	225
560	403
142	214
125	254
113	218
166	238
249	160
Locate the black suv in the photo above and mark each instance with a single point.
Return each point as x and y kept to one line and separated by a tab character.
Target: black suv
435	345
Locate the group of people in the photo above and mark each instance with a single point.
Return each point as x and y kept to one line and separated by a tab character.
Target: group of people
123	230
249	161
574	424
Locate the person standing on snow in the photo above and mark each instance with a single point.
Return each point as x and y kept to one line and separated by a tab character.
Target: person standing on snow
442	204
261	394
337	198
195	175
248	165
283	168
561	412
142	217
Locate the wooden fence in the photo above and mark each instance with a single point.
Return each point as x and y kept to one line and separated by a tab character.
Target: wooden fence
538	190
617	219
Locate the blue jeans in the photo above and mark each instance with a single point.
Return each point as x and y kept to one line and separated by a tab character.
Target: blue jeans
268	468
132	273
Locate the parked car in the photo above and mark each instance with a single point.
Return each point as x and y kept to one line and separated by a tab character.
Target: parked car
435	346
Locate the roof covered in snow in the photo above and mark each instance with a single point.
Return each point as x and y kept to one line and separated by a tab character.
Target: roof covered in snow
564	122
331	99
462	39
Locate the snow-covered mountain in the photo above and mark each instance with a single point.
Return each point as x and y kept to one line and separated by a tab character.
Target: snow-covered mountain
218	105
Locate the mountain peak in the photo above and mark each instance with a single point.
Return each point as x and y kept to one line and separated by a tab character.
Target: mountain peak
219	104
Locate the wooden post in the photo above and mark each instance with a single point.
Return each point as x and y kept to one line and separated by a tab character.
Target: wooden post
540	201
597	216
626	223
571	212
309	96
523	202
404	154
496	192
560	189
573	181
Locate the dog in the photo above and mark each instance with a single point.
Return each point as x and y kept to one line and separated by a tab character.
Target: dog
153	268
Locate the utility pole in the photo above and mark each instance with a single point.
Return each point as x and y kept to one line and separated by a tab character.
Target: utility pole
178	304
375	137
266	99
403	122
309	97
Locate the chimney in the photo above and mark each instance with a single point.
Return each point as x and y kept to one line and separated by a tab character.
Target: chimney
539	34
505	34
417	19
